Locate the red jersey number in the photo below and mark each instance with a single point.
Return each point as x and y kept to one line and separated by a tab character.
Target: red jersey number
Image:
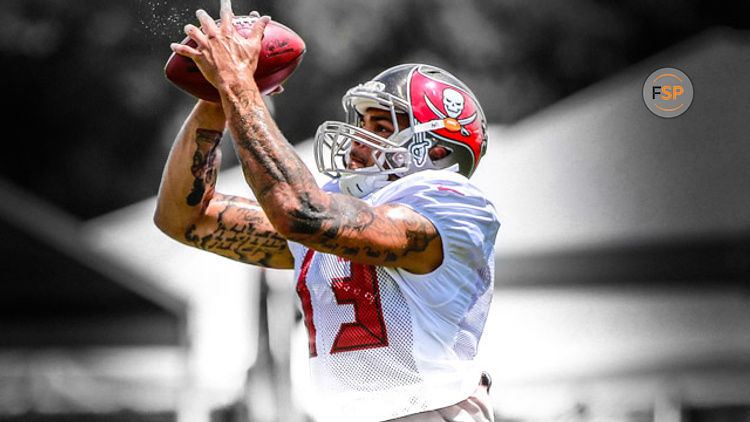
361	290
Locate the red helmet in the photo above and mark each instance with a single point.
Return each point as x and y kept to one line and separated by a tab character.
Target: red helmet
442	111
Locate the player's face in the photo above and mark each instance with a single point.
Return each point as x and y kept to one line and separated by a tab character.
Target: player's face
378	122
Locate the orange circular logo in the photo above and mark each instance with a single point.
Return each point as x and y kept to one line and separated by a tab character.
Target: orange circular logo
668	92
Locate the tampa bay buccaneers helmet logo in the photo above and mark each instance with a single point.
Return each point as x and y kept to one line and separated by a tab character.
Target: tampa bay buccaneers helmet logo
453	102
446	102
440	99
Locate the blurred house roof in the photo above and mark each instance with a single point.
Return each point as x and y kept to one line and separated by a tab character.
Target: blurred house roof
58	291
598	168
597	188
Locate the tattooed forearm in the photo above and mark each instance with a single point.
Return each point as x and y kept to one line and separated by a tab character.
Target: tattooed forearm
310	217
254	140
242	239
395	236
204	166
270	163
302	212
253	136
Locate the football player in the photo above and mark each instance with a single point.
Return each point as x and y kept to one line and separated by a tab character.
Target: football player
393	258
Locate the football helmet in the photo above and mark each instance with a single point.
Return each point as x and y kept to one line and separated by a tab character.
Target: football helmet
441	111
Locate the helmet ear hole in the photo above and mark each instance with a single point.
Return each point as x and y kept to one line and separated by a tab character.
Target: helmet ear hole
438	152
443	156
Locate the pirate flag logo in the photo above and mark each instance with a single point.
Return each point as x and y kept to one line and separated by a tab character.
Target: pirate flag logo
443	102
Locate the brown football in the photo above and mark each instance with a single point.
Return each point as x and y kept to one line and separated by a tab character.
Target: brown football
282	50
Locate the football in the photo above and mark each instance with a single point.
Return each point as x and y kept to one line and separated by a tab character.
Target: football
281	53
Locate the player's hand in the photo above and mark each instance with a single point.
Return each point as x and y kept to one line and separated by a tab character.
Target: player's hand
223	55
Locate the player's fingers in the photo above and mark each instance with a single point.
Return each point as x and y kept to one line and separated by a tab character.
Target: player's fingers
195	33
184	50
226	12
254	14
258	27
207	23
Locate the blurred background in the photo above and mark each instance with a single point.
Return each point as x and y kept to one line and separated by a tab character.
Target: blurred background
623	262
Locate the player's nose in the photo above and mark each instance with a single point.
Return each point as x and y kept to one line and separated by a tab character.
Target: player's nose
361	147
361	152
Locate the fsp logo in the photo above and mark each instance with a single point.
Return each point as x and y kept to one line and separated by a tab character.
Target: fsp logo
668	92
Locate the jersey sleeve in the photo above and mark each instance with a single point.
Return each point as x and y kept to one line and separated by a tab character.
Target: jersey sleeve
466	220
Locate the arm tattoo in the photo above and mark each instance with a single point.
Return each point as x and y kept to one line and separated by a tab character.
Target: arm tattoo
241	239
275	159
278	165
346	219
204	167
337	224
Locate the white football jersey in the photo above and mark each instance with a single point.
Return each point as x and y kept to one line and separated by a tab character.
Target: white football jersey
384	342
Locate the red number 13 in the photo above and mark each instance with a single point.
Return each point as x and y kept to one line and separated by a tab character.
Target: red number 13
360	289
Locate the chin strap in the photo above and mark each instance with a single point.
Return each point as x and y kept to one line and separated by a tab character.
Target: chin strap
360	185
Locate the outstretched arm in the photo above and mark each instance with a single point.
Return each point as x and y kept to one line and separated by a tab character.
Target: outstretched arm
192	212
391	235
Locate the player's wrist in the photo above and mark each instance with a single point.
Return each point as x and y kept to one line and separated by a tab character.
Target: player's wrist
240	92
236	82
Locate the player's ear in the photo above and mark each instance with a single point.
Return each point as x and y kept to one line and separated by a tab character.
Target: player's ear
438	152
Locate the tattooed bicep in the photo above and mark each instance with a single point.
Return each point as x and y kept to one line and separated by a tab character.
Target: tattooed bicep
414	233
205	164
